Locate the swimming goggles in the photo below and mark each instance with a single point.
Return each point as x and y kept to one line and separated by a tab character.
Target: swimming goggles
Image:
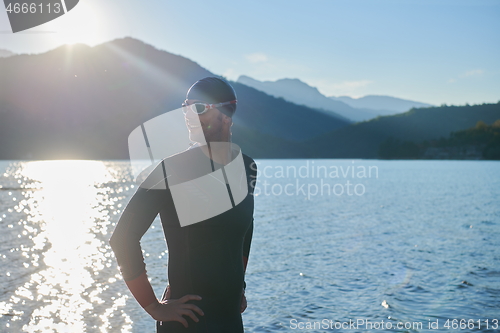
200	108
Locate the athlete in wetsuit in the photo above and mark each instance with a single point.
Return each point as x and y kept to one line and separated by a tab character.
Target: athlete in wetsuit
207	260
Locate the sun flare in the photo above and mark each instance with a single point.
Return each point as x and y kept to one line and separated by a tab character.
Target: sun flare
79	25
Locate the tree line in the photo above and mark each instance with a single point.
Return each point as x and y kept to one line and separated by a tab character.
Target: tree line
479	142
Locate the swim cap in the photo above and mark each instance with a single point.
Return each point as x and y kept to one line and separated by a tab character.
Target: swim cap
213	90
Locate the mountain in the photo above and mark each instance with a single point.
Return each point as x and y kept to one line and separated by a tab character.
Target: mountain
386	105
359	109
363	140
6	53
477	143
298	92
81	102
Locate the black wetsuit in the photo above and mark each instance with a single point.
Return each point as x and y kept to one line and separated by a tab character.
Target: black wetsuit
205	258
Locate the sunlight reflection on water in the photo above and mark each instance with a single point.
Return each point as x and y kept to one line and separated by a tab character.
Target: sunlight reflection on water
421	243
65	213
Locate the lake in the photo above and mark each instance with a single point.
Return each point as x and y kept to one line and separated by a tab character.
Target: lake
349	245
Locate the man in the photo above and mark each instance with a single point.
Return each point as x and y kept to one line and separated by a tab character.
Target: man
207	256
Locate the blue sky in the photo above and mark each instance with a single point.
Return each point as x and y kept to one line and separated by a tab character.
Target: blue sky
439	51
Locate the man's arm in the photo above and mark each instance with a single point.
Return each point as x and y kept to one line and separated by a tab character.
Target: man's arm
246	245
125	242
246	252
247	241
252	170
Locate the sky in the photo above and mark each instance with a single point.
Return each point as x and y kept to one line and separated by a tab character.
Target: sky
432	51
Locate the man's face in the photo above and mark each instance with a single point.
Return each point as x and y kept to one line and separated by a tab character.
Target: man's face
206	127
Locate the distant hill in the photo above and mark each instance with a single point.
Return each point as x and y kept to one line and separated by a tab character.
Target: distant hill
6	53
481	142
298	92
81	102
362	140
386	105
355	109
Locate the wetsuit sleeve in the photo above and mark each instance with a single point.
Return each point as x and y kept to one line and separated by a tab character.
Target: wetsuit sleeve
246	245
248	236
125	242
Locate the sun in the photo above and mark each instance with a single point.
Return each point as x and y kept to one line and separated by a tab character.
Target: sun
79	25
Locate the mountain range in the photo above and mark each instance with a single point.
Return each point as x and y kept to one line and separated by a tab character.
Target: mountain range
362	109
81	102
363	140
385	105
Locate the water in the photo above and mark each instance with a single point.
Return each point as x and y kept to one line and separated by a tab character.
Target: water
410	242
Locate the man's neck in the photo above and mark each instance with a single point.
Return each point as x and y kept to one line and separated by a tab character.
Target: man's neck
219	152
